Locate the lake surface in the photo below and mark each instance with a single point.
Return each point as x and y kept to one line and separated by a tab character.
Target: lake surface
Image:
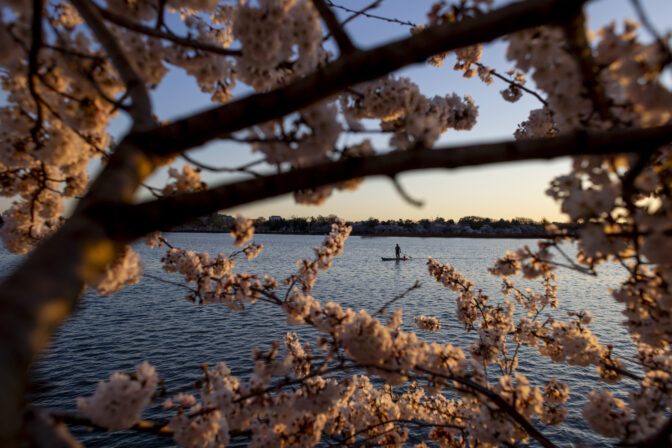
152	321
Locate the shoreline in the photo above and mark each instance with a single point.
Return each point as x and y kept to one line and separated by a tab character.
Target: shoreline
461	235
400	235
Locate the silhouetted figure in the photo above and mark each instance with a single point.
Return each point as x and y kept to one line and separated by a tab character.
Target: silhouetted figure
397	251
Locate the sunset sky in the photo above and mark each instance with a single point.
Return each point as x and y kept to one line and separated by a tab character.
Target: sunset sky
498	191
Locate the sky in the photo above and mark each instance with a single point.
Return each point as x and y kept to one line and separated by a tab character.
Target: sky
496	191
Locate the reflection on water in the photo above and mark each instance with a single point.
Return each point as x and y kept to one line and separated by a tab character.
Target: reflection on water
152	321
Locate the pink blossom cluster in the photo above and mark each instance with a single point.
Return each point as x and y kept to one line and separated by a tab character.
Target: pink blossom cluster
349	409
427	323
53	125
310	143
242	230
119	403
606	414
414	119
555	396
272	33
126	270
331	247
495	428
187	180
213	278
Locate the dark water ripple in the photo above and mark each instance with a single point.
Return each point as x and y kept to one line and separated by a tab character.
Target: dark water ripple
151	320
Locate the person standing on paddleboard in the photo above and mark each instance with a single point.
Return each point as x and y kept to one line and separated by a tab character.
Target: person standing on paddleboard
397	251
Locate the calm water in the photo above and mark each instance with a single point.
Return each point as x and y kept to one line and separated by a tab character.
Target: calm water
152	321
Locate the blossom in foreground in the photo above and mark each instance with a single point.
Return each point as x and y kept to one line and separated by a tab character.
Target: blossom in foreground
119	403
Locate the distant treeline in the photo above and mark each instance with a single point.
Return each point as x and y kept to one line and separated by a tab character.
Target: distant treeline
467	226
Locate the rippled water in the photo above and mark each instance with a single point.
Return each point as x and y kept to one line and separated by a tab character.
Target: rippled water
152	321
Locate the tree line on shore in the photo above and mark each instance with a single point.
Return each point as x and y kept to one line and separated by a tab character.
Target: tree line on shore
465	226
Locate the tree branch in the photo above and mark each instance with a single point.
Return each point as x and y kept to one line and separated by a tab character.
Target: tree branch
348	70
404	194
498	400
665	48
362	11
74	418
345	45
35	46
141	111
383	309
154	32
137	220
371	16
575	32
47	432
496	74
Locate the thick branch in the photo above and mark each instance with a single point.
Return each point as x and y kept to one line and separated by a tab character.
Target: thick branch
577	41
155	32
345	45
141	111
35	46
351	69
138	220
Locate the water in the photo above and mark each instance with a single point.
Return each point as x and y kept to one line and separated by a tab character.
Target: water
152	321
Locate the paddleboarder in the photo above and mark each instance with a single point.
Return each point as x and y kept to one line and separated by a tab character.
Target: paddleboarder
397	251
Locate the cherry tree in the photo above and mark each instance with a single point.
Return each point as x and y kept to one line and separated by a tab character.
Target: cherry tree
70	67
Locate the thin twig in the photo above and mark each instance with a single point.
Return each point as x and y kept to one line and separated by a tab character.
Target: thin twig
382	310
141	110
240	169
74	418
169	282
361	12
652	30
371	16
496	74
404	194
342	39
182	41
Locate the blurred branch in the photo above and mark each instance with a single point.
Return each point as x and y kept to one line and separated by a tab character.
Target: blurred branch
348	70
141	110
404	194
155	32
659	439
140	219
74	418
45	432
345	45
33	54
578	46
652	30
245	169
